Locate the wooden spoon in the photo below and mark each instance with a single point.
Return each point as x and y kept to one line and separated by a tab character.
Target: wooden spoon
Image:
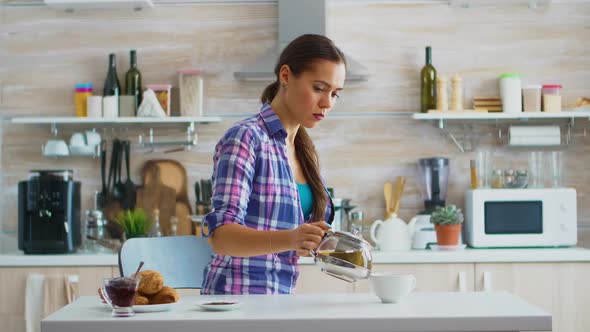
388	193
397	193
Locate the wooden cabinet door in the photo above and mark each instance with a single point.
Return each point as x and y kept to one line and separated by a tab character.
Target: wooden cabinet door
313	280
429	277
559	288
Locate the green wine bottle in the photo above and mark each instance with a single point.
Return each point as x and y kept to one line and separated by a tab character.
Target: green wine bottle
133	81
428	84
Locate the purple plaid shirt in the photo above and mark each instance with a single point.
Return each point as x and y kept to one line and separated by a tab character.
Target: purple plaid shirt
254	186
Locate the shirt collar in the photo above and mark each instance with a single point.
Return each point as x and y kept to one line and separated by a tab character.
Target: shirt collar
274	126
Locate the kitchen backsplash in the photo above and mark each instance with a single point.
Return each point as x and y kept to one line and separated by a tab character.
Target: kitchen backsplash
368	139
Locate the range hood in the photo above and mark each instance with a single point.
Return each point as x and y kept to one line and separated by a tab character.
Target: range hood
296	17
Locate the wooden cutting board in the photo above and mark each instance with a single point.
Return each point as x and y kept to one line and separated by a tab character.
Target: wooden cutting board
172	174
156	195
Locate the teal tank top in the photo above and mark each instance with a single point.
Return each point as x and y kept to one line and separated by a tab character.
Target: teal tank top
306	198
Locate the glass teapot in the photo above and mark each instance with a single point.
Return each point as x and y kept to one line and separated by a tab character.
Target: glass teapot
344	255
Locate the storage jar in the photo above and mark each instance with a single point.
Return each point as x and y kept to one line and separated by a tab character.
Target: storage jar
83	91
510	93
552	98
190	83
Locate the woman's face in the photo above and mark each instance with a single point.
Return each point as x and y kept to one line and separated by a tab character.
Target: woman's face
312	95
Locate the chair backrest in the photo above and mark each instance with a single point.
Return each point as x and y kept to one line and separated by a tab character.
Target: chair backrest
180	259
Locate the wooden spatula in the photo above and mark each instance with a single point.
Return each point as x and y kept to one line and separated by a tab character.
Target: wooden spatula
388	194
397	193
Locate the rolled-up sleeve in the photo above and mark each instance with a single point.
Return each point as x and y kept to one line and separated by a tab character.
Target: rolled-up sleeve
233	173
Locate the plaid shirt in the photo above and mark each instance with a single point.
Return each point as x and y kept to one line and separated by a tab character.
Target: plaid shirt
255	187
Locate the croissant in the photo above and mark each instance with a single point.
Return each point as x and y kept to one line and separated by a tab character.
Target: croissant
141	300
151	282
165	295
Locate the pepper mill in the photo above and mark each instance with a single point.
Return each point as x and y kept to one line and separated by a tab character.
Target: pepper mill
442	100
457	93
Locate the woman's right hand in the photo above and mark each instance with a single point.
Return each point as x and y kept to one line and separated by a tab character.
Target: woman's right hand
308	236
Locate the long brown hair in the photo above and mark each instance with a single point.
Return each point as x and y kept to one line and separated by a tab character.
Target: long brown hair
300	55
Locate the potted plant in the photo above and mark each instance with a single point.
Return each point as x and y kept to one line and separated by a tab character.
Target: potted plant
135	223
447	223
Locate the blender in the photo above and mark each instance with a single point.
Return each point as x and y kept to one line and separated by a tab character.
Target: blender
433	180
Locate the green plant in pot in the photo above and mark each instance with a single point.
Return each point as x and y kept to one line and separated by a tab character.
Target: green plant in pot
447	222
135	223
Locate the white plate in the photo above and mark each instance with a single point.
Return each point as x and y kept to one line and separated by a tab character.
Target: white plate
154	307
448	248
226	306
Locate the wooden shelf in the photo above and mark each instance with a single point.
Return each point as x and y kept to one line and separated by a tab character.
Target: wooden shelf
566	114
71	5
123	120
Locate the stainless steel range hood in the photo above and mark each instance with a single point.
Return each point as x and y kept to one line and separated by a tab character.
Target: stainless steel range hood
296	17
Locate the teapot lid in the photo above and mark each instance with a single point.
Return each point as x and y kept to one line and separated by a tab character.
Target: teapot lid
353	236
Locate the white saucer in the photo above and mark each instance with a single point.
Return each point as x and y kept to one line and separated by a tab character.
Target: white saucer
220	306
154	307
448	248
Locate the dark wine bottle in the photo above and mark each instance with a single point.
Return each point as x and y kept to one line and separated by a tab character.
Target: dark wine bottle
428	84
133	80
111	83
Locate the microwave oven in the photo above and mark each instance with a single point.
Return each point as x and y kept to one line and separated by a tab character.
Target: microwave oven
544	217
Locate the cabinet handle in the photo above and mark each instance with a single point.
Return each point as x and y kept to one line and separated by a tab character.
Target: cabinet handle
487	282
462	281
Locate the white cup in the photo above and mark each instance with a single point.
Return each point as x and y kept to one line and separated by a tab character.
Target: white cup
392	288
93	138
55	148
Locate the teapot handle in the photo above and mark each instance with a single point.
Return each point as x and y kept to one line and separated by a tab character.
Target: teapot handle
374	229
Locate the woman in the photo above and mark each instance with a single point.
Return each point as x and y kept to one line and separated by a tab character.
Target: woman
269	201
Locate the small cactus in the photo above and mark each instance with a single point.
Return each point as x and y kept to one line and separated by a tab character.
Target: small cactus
448	215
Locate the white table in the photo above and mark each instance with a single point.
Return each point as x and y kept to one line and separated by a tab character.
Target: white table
479	311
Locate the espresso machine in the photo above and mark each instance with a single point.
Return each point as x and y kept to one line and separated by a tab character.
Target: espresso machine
49	212
433	181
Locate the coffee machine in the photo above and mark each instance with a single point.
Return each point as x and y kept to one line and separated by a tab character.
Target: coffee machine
49	212
433	180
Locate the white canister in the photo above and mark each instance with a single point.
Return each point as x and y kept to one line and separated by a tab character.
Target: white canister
511	93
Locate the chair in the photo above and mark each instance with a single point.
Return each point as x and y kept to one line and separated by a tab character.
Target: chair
180	259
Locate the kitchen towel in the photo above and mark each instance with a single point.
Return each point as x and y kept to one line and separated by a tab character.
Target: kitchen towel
34	302
46	294
534	135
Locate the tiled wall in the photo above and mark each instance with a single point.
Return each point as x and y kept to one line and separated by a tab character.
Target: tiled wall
368	139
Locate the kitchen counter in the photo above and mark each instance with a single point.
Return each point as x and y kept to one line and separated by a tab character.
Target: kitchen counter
11	256
17	258
420	311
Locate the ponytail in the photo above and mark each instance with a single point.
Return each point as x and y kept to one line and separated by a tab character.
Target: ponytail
270	92
308	157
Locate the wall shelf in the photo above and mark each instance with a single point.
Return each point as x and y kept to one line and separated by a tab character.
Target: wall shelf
470	119
144	142
122	120
72	5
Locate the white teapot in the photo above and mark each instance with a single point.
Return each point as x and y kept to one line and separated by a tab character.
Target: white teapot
393	234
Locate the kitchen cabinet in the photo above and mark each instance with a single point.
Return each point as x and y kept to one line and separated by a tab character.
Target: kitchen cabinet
429	277
560	288
13	285
313	280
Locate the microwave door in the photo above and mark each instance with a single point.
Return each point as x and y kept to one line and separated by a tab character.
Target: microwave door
513	217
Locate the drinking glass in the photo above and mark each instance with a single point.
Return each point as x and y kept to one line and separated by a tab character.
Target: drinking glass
535	169
556	169
120	294
483	168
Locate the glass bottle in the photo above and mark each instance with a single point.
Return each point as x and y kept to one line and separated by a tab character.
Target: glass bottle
133	81
156	229
111	84
173	225
428	84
